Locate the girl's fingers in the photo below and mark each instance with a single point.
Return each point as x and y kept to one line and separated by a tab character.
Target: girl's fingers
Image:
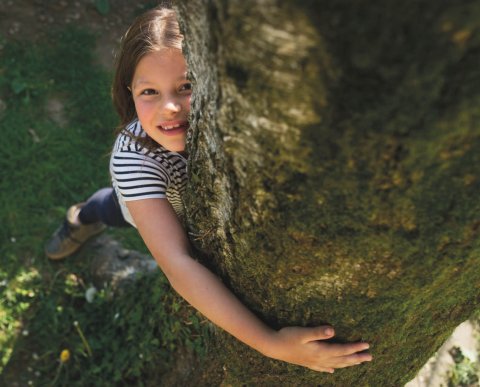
318	333
347	349
323	369
351	360
348	365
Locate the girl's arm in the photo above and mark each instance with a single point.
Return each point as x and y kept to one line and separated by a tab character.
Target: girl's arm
165	238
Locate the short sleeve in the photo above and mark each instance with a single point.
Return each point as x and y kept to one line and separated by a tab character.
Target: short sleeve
137	176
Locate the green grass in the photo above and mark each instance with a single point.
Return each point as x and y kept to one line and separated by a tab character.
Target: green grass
45	166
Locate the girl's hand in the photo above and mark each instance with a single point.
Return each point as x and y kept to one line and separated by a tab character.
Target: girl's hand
303	346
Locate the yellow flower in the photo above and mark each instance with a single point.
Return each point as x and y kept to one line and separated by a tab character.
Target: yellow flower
65	356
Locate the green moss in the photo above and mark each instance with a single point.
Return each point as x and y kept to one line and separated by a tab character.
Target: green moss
361	210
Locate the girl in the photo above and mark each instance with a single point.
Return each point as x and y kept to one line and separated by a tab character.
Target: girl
151	93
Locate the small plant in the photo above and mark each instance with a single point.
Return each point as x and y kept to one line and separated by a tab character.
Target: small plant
464	373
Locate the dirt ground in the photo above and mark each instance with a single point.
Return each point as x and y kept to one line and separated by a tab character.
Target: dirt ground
32	19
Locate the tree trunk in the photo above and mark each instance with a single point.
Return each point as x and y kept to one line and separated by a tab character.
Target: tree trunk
334	175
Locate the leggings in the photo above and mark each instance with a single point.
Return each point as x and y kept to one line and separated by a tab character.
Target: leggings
103	207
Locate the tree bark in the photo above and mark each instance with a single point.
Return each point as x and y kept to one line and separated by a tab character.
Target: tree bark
334	175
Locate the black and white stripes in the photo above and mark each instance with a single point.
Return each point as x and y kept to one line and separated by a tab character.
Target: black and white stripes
139	173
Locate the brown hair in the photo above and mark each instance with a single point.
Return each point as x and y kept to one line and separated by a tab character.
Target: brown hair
155	30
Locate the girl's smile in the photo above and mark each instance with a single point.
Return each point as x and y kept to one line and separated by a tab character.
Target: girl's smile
173	128
161	93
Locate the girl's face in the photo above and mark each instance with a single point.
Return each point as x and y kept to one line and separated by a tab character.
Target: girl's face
161	93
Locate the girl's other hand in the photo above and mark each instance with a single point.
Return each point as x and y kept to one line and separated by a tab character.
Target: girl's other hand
303	346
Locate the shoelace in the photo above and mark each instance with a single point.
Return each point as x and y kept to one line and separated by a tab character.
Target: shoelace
65	231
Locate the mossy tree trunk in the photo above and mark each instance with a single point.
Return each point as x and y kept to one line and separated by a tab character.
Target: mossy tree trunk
334	163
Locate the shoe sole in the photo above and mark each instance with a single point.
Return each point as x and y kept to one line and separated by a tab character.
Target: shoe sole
74	249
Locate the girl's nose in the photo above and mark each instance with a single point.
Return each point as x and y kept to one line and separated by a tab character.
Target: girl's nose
173	107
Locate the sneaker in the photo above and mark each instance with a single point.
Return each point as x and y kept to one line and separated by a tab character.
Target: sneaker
71	235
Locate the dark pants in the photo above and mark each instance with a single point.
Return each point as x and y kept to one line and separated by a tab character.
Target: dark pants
103	206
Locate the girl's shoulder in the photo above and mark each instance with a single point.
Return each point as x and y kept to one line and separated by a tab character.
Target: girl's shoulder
132	133
132	138
134	129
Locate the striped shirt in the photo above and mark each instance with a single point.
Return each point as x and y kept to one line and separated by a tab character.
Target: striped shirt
139	173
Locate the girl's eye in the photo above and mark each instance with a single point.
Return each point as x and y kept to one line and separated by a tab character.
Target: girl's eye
186	87
148	92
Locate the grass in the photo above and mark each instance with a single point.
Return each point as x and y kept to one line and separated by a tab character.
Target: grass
47	164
